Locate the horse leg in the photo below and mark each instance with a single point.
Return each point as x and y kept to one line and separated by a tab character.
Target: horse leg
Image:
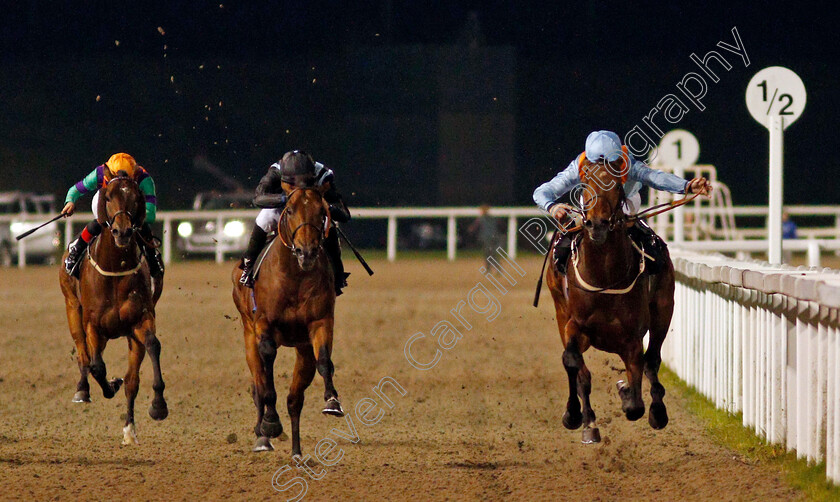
136	353
252	356
95	346
146	333
322	337
591	434
630	391
267	348
661	310
74	319
304	373
572	361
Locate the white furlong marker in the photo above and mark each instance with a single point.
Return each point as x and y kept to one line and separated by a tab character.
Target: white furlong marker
775	98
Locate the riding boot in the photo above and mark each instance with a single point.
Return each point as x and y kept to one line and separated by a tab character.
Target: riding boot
153	255
652	244
79	246
561	253
255	245
77	249
333	248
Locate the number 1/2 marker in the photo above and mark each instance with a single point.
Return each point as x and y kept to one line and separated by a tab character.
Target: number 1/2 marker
776	115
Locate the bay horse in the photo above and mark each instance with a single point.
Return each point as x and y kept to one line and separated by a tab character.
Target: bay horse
292	305
608	301
113	298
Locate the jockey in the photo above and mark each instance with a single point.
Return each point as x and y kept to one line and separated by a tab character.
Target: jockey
605	146
99	177
296	168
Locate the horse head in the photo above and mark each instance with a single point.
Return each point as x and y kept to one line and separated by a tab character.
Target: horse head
121	208
305	223
603	197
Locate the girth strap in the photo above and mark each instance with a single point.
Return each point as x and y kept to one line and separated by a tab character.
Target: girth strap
116	274
608	291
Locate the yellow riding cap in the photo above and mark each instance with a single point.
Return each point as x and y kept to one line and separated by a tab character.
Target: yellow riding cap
121	162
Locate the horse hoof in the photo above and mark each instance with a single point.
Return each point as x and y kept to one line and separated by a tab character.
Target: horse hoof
658	416
591	435
333	407
572	421
158	412
634	414
81	397
130	435
263	444
115	384
271	429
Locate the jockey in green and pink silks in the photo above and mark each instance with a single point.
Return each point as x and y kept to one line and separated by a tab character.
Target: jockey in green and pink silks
99	177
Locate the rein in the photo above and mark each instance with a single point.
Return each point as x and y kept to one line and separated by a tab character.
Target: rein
108	223
655	210
617	219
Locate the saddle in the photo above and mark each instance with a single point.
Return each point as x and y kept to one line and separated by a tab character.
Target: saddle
261	257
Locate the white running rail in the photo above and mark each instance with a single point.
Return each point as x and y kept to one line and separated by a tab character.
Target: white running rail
816	239
764	341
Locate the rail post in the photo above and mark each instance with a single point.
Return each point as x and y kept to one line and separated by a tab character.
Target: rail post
22	253
392	238
68	232
511	237
167	240
451	237
813	253
220	255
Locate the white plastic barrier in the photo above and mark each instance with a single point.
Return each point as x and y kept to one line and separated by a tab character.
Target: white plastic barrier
764	341
818	239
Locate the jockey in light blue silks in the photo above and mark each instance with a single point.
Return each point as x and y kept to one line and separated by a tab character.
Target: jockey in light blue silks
605	146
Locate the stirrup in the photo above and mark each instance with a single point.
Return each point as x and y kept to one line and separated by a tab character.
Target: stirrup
71	263
247	277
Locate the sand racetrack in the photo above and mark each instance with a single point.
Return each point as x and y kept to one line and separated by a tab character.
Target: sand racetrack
482	424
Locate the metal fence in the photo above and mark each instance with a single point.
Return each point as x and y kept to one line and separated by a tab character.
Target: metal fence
764	341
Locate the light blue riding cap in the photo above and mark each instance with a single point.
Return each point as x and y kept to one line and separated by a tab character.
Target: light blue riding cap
603	145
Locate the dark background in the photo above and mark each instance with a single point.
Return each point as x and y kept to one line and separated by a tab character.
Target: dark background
412	103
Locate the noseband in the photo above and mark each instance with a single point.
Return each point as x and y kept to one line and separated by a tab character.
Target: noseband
617	217
282	225
109	222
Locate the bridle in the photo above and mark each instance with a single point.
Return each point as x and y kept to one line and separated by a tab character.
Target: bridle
617	217
282	225
109	222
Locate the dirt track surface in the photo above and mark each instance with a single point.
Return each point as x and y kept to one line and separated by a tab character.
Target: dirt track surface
483	424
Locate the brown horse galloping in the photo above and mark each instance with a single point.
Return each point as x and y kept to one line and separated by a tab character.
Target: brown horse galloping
609	302
113	298
292	305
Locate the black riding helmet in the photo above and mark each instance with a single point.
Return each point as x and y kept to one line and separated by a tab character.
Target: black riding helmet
297	168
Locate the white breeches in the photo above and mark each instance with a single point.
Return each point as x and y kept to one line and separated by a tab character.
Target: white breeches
94	205
268	219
